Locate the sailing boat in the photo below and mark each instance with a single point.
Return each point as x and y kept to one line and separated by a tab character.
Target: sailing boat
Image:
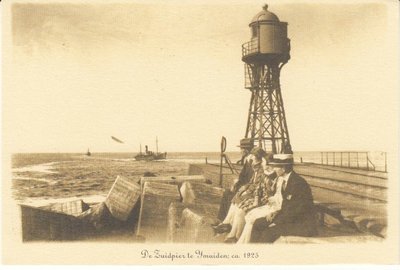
88	153
150	155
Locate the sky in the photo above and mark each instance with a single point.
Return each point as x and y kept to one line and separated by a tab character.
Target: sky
81	72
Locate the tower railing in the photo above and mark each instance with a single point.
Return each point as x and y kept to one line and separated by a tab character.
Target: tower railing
250	47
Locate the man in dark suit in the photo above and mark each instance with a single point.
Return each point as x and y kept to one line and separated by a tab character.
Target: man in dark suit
297	216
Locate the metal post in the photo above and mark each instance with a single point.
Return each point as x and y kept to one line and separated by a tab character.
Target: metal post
220	171
156	145
322	157
327	158
348	159
258	38
334	159
358	165
367	161
223	148
341	159
385	162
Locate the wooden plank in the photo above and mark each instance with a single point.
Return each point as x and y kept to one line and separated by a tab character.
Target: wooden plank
122	198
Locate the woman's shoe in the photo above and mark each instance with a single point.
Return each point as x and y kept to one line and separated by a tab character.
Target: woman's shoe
222	228
230	240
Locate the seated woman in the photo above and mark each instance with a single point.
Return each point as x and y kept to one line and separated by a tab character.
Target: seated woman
268	211
249	196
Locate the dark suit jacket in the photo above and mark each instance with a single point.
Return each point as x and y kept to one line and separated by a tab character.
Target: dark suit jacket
244	177
297	215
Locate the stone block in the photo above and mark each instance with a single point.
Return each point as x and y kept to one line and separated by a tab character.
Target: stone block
73	208
174	231
176	180
211	173
122	198
41	224
153	218
191	220
202	194
195	228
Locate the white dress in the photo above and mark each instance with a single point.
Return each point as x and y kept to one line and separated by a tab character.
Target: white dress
273	205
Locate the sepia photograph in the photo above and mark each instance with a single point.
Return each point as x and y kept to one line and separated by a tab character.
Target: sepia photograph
200	132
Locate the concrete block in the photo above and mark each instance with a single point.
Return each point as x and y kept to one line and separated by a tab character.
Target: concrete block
176	180
41	224
122	198
153	218
74	208
174	231
190	224
202	194
211	173
191	220
195	228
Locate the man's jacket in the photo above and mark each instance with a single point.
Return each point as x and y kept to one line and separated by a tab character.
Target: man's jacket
245	176
297	215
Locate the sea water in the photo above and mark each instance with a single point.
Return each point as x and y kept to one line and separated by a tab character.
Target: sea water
38	176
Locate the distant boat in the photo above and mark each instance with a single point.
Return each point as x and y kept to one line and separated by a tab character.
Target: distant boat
88	153
150	155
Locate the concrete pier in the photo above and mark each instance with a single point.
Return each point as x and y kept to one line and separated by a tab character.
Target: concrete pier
359	195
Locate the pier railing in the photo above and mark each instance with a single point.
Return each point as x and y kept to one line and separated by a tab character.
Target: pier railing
359	160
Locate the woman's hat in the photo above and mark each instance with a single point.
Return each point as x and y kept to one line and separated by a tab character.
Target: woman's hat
281	159
258	152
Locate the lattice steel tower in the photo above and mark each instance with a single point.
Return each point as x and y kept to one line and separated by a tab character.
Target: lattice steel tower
264	56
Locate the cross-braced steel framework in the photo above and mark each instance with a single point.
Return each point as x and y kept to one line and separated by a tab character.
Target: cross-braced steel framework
266	122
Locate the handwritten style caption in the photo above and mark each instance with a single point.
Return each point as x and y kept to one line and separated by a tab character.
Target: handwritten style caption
197	254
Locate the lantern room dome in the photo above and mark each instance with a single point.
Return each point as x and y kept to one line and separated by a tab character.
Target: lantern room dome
265	15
